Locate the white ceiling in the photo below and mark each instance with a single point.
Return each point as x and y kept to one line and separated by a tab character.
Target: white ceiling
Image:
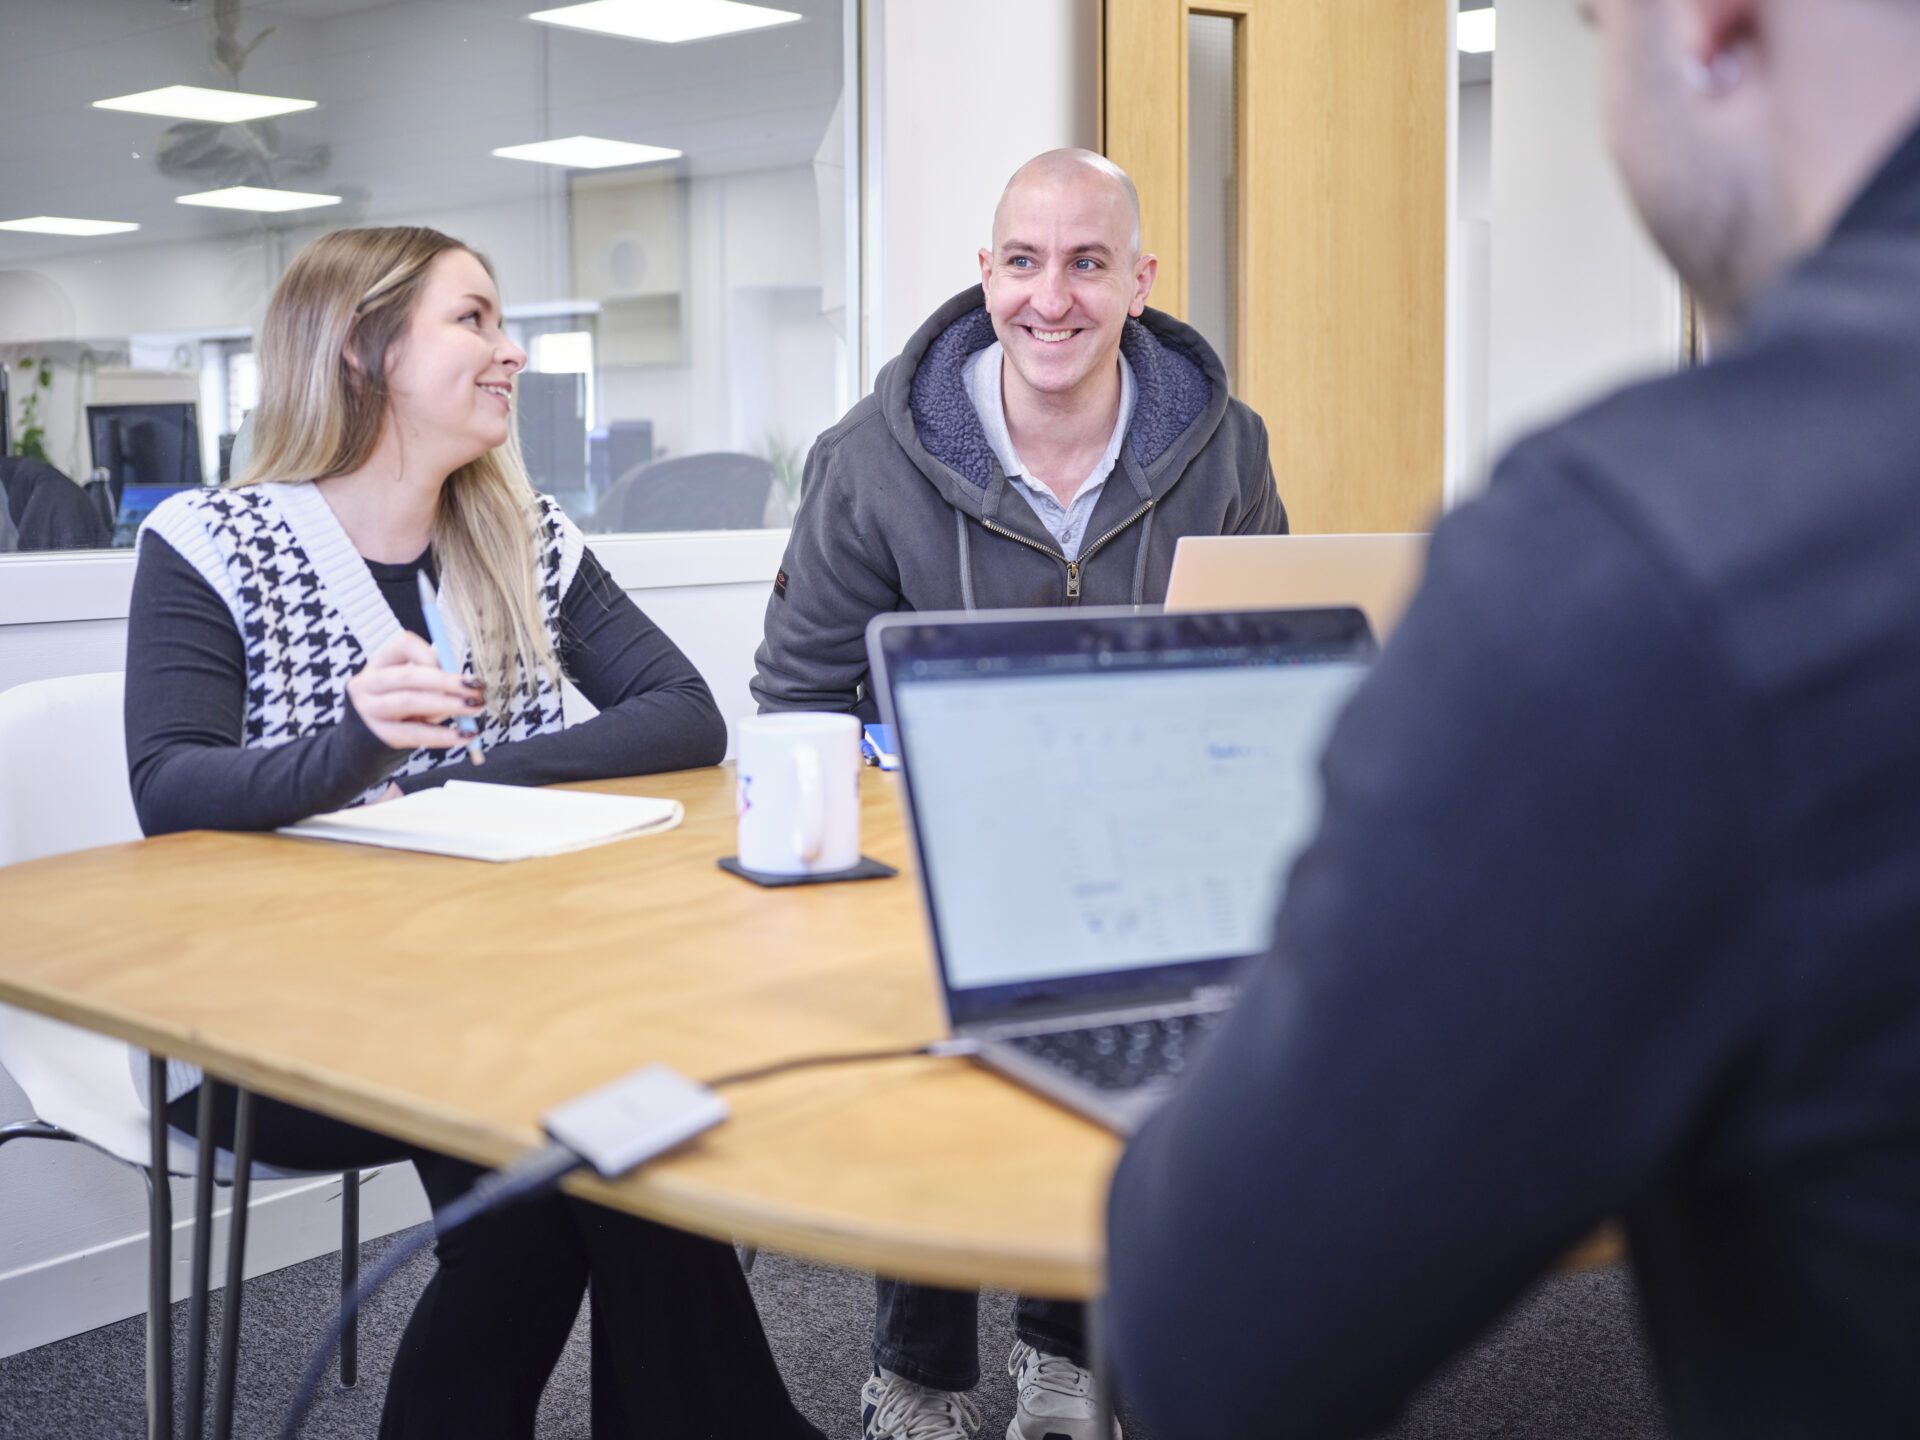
414	95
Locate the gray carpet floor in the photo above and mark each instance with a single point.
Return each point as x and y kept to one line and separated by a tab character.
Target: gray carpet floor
1567	1364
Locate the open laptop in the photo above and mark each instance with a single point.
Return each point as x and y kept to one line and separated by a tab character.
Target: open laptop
1103	804
1378	573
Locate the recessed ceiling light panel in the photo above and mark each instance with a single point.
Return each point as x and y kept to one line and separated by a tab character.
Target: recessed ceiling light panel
1475	31
191	102
62	225
666	22
587	152
252	197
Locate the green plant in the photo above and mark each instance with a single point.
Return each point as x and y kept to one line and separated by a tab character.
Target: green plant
787	460
32	440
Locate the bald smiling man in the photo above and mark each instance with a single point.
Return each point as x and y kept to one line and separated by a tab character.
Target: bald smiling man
1044	439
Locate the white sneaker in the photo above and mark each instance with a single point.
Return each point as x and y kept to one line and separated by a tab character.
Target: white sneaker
1056	1398
894	1408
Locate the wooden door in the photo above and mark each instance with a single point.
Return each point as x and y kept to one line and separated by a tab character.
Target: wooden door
1338	231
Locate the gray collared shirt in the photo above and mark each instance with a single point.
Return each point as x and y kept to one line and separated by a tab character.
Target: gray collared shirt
1066	523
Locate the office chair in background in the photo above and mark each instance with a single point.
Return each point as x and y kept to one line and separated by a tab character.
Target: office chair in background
48	511
722	490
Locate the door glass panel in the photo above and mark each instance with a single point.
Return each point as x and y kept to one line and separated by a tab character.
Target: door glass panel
1213	190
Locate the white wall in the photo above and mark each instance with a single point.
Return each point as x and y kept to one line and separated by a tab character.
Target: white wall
970	92
1581	301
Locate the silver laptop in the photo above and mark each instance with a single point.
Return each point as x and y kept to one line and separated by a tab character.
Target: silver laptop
1104	805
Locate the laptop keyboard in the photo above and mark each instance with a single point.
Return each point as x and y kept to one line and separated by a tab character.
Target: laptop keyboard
1123	1057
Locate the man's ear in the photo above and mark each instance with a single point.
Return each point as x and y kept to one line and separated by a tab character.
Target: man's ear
1144	271
986	267
1717	27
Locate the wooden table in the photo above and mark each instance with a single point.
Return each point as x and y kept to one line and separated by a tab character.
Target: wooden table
451	1003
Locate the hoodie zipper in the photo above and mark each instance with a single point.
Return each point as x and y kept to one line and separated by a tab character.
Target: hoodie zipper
1086	554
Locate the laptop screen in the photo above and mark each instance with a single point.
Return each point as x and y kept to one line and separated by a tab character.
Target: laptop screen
1104	803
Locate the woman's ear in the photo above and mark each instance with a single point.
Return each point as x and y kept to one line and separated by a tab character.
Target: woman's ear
350	353
365	371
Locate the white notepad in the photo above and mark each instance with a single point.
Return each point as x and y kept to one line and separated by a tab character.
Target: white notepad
477	821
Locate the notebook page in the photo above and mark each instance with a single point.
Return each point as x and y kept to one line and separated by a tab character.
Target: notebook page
478	821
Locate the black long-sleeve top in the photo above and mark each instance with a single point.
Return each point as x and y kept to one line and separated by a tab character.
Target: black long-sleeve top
186	707
1614	911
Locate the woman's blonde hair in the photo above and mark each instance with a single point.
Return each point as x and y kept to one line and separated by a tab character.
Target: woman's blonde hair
334	316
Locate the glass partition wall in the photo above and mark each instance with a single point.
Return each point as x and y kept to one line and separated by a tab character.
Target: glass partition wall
661	186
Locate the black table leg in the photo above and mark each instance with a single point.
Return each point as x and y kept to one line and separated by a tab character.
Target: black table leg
159	1261
236	1263
196	1402
349	1276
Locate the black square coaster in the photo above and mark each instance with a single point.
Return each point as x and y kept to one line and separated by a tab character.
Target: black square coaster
867	869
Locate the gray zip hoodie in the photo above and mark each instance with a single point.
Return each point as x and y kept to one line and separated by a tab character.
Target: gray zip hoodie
903	506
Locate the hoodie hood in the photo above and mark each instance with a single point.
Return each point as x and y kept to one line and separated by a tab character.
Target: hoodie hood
1180	396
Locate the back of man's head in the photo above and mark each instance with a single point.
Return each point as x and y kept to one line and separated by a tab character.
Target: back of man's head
1744	127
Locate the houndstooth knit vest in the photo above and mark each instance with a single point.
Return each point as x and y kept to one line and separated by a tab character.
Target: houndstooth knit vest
310	613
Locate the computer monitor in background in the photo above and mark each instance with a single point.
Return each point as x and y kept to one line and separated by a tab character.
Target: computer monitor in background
147	453
146	445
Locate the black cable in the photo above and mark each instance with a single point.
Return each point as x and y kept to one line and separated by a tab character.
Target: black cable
843	1057
538	1172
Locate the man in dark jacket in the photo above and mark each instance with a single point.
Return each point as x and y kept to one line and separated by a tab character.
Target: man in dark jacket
1615	905
1043	440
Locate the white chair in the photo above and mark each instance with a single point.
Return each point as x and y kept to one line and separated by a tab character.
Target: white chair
63	786
63	768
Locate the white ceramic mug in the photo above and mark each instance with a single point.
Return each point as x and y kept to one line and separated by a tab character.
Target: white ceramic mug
799	793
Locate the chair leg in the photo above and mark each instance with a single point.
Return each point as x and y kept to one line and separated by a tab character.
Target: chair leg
196	1401
236	1262
34	1130
159	1262
349	1276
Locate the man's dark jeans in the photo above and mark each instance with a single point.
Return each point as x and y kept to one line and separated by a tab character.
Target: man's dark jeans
931	1336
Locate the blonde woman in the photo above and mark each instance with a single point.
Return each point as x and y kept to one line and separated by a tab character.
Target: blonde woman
275	668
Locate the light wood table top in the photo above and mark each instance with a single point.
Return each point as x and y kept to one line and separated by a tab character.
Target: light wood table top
451	1003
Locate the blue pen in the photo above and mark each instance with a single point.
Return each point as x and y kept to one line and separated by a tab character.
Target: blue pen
443	647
